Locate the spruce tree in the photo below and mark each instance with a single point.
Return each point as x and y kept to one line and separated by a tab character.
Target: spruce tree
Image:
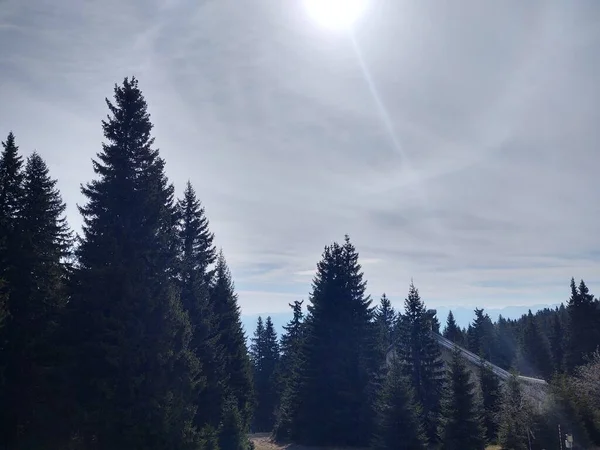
41	240
231	434
491	398
398	416
338	355
385	318
557	343
507	343
11	186
481	337
197	255
461	426
256	347
232	341
452	331
289	371
136	378
584	333
420	356
265	352
534	357
11	191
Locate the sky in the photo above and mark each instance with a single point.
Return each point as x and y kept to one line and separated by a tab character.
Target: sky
457	146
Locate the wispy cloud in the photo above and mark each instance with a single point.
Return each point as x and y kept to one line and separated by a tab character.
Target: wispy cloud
488	197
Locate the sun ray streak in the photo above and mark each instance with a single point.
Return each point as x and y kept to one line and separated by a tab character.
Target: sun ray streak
409	171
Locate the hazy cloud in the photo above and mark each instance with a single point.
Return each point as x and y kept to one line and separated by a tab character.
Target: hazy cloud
458	146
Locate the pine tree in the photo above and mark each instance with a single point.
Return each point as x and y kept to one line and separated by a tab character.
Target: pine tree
232	341
265	355
452	331
41	240
516	417
461	426
338	355
289	371
491	398
136	378
534	357
420	356
197	254
398	416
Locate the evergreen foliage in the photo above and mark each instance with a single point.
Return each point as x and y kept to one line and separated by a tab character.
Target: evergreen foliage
385	319
557	343
135	376
289	372
534	356
584	332
452	331
481	337
232	340
231	433
491	398
265	356
461	425
516	417
135	341
40	240
507	343
398	416
420	357
337	355
196	256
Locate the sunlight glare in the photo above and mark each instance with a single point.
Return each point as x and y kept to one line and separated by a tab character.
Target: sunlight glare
335	14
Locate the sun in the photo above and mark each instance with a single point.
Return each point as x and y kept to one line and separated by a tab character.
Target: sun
335	14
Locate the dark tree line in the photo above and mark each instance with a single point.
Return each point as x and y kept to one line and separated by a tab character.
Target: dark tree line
550	341
129	335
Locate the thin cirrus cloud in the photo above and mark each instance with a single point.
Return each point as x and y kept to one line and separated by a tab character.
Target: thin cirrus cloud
456	146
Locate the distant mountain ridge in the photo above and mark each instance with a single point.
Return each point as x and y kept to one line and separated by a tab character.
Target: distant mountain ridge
463	315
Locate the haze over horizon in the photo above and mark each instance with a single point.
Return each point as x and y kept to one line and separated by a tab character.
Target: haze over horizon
456	146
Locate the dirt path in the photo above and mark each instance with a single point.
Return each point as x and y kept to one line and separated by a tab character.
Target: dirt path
263	441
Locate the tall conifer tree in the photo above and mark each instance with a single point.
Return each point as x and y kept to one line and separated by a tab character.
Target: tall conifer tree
461	426
421	358
385	319
197	254
266	361
289	371
534	356
452	331
398	416
338	355
136	378
40	241
232	341
584	333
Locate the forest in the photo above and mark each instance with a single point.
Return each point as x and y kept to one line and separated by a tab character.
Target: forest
128	334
